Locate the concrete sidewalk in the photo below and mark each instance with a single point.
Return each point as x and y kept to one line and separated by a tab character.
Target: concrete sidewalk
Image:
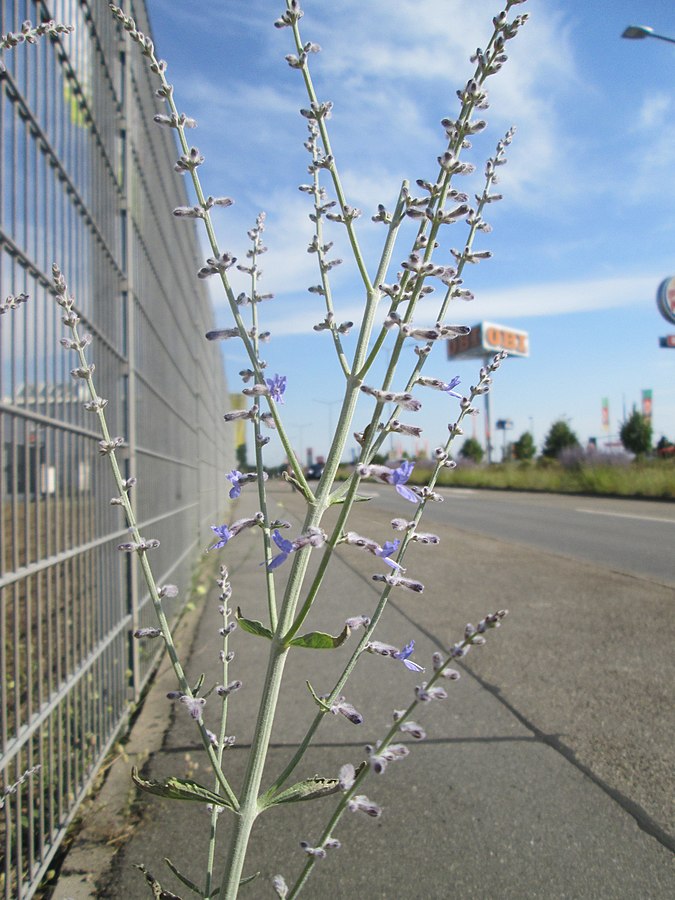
482	809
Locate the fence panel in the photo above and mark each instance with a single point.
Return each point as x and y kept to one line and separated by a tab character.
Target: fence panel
86	181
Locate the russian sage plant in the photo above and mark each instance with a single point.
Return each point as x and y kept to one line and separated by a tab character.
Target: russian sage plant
393	302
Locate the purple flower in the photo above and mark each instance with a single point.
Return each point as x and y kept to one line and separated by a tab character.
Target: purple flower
285	546
277	387
357	621
361	803
405	654
194	705
425	694
316	852
235	476
347	710
399	477
448	387
224	535
413	729
385	552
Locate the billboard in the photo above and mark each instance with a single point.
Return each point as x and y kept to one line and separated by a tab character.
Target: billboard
665	299
647	404
487	338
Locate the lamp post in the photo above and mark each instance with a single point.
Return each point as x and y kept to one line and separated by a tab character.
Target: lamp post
330	404
638	32
300	428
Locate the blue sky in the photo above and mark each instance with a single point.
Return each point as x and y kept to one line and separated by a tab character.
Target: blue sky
582	239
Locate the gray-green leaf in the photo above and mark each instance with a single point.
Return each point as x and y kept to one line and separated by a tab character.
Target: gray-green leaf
253	627
358	498
309	789
186	881
179	789
319	640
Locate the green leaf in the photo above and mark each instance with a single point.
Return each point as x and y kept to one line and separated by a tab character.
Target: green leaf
357	498
319	640
306	493
253	627
179	789
310	789
186	881
321	703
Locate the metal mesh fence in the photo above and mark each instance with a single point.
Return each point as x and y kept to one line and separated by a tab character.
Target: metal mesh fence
86	181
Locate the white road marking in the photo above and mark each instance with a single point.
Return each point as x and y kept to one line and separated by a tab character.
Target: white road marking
597	512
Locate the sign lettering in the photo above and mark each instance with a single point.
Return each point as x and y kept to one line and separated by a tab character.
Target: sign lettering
486	338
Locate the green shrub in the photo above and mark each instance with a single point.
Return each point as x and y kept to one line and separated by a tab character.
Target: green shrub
524	448
636	433
472	450
560	437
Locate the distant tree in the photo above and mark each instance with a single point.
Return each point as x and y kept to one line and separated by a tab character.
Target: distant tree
524	447
636	433
559	438
472	450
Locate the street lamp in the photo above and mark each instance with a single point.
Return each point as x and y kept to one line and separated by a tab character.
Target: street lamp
301	428
330	404
638	32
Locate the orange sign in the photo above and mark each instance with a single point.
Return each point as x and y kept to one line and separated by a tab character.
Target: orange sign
487	338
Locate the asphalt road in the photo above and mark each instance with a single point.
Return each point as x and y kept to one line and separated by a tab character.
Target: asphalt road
631	536
586	658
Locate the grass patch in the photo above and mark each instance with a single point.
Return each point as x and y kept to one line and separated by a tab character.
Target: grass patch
650	478
645	478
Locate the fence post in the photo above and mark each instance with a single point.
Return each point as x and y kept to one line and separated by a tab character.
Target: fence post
131	578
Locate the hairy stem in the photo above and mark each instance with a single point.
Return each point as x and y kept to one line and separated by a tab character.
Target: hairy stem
66	303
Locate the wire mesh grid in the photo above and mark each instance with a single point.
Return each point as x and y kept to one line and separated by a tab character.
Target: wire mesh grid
84	182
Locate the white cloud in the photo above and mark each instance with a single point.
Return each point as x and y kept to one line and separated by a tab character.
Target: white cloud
562	298
391	85
543	299
654	112
222	105
391	79
184	16
287	267
652	147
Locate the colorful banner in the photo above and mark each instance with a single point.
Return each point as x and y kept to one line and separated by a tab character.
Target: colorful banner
647	404
605	413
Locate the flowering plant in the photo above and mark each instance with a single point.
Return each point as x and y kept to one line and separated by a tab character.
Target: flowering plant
439	206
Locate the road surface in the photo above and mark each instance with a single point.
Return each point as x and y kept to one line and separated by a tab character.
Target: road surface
631	536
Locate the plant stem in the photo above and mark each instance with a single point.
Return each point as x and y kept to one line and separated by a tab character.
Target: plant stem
67	304
248	809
